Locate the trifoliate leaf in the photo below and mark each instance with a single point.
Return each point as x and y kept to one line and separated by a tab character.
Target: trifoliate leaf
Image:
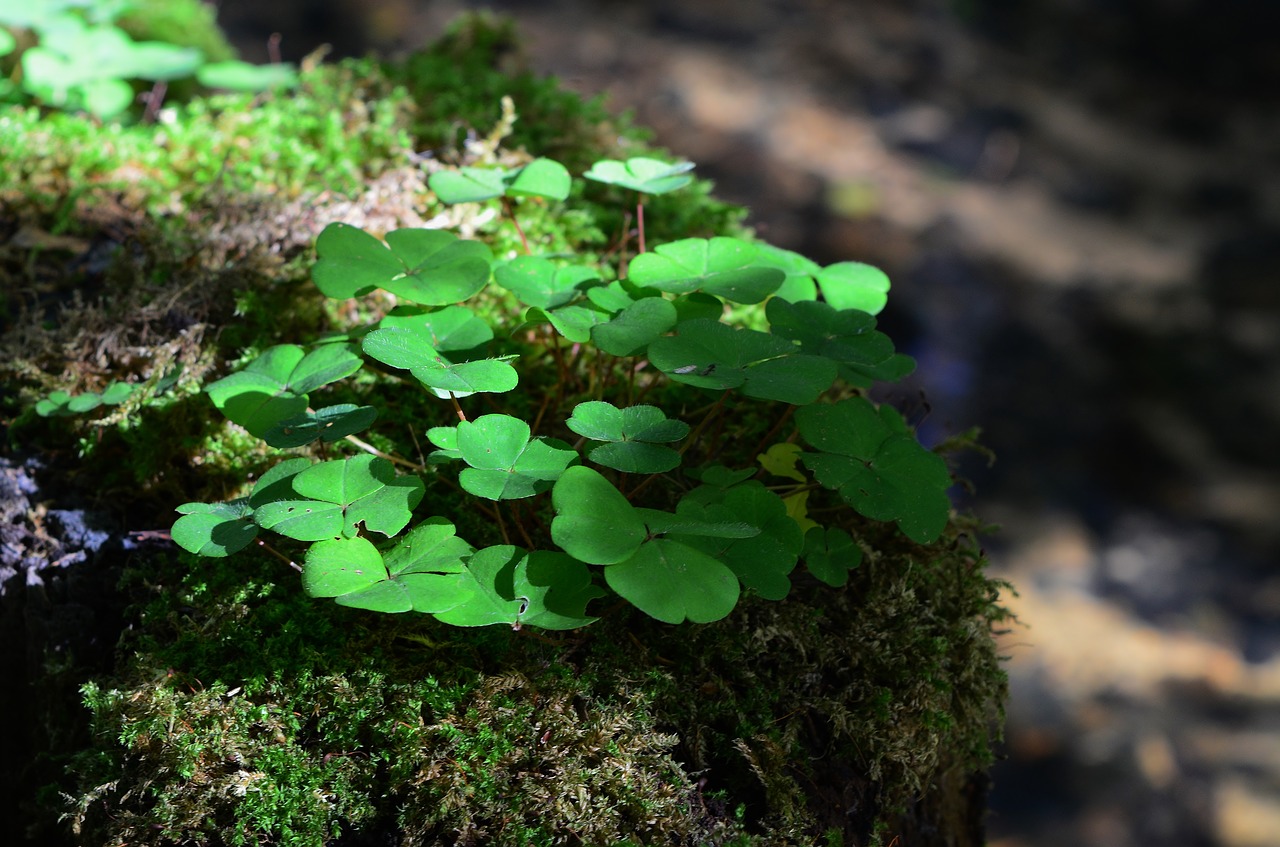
830	554
214	529
648	176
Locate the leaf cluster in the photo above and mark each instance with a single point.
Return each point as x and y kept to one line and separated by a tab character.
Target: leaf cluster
82	60
604	493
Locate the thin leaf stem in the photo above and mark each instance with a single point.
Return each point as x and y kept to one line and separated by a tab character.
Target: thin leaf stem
369	448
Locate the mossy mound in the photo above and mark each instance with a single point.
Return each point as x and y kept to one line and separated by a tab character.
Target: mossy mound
249	712
240	711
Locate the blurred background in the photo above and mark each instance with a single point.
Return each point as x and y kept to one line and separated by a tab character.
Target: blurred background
1078	202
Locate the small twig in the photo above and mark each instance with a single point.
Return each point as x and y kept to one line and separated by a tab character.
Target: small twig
281	556
369	448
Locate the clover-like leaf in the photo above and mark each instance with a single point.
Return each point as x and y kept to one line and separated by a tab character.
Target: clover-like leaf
594	522
780	460
540	178
467	185
427	266
449	329
408	345
630	331
327	424
796	378
116	393
277	483
236	75
710	354
539	282
761	561
636	435
506	464
334	497
853	285
801	272
351	570
368	490
830	554
847	337
648	176
556	589
881	471
573	321
424	564
674	582
487	585
214	529
274	386
723	267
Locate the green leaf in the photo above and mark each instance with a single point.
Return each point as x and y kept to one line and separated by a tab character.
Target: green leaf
328	425
632	431
594	522
648	176
408	345
538	282
540	178
505	463
674	582
488	586
853	285
334	497
830	554
274	387
116	393
351	262
467	185
556	589
86	402
55	405
796	379
156	60
879	470
277	483
723	267
761	561
236	75
342	567
453	328
367	489
214	529
800	283
710	354
629	332
427	266
574	321
424	564
848	337
300	519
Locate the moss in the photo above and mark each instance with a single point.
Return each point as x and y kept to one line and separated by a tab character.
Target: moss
867	698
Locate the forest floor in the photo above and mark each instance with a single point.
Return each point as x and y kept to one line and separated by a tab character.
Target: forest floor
1080	211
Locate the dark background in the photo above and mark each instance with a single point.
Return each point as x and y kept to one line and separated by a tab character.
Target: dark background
1079	204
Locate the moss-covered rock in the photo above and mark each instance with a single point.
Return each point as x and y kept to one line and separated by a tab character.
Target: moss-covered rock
240	711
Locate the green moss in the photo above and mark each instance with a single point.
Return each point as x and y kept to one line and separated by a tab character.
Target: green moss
871	696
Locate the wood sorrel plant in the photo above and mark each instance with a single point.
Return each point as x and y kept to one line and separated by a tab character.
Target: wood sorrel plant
663	503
